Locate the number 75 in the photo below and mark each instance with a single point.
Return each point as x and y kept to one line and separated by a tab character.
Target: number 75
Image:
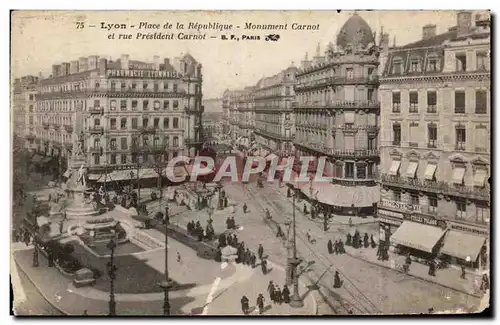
79	25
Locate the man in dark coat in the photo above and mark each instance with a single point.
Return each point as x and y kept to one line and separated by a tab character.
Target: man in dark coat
432	268
372	241
235	240
260	303
263	265
348	241
245	207
337	283
286	294
341	247
244	305
253	260
279	233
336	247
270	289
222	240
248	257
260	251
330	246
225	202
229	240
228	223
278	295
365	240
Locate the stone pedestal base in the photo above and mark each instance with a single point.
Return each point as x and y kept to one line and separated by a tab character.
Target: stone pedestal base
79	207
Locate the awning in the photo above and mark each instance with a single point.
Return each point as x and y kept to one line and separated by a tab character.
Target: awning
430	170
46	160
480	177
94	177
462	245
342	196
271	156
394	167
458	175
412	169
417	235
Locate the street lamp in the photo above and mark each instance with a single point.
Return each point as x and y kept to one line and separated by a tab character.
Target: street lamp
293	263
112	276
289	252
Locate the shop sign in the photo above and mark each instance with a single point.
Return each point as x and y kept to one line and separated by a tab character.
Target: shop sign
425	220
400	205
389	221
470	230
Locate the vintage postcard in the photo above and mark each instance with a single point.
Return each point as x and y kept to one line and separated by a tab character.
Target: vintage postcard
250	163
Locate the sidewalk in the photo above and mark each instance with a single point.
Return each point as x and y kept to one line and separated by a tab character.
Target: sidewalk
449	278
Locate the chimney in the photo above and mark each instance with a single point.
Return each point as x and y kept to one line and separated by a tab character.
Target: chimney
384	42
156	62
124	61
92	62
73	67
428	31
102	66
54	70
166	62
464	22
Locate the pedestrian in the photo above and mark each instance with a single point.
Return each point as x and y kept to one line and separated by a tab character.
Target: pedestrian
244	305
222	240
341	247
348	240
279	295
279	233
260	251
254	261
350	222
463	272
178	257
263	265
260	303
235	240
228	223
271	291
330	247
372	241
485	282
245	207
336	247
268	214
432	268
248	257
225	202
337	283
305	209
229	240
286	294
365	240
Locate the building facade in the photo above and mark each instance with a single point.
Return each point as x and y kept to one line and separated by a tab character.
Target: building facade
23	114
226	105
435	141
245	111
337	116
127	112
274	118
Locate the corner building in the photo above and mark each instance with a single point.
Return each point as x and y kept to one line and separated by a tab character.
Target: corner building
23	114
128	112
337	116
435	144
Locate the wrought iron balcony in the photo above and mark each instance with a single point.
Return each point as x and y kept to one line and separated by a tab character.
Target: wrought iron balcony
357	154
356	104
438	187
147	130
96	110
369	181
96	129
68	128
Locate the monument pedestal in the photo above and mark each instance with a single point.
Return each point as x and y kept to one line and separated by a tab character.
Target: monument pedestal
79	206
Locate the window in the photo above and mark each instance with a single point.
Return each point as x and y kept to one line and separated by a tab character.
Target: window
371	170
97	122
134	85
145	104
433	203
396	102
31	108
397	196
349	170
397	67
361	171
433	64
481	138
372	143
287	116
166	141
175	88
144	85
481	101
176	123
165	85
156	142
460	137
145	122
461	62
415	200
113	159
134	105
482	214
135	143
112	144
97	85
97	103
123	86
370	94
97	159
123	159
432	133
413	102
123	123
431	101
166	122
145	140
155	87
145	157
156	105
134	158
113	86
97	144
176	104
123	143
166	104
112	105
134	123
461	210
370	71
112	123
176	141
415	65
414	134
396	134
287	90
349	73
481	61
459	102
156	122
339	171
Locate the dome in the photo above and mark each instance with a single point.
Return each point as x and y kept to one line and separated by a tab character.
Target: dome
355	31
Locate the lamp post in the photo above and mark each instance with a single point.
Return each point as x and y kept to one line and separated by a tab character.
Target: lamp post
293	262
165	284
112	276
289	253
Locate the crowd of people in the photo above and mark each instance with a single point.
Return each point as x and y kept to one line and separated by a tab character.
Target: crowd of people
196	230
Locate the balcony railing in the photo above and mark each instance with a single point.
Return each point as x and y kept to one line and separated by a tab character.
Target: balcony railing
68	128
190	141
273	135
337	80
96	129
147	129
438	187
96	110
369	181
118	92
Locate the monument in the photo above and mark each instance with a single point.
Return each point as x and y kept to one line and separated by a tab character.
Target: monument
78	194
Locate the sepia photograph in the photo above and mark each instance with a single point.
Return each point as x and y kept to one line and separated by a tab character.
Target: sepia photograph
250	163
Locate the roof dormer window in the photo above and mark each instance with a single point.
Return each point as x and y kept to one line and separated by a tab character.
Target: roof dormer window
415	65
397	66
433	63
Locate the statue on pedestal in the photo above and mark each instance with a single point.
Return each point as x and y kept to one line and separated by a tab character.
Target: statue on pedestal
78	145
82	174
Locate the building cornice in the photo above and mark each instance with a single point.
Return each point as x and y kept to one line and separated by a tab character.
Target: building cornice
448	77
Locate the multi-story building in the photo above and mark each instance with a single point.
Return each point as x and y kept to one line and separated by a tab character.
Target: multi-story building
23	113
226	104
245	108
274	119
337	116
435	142
127	111
234	130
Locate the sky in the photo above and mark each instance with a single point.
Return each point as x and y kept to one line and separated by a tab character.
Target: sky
41	39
